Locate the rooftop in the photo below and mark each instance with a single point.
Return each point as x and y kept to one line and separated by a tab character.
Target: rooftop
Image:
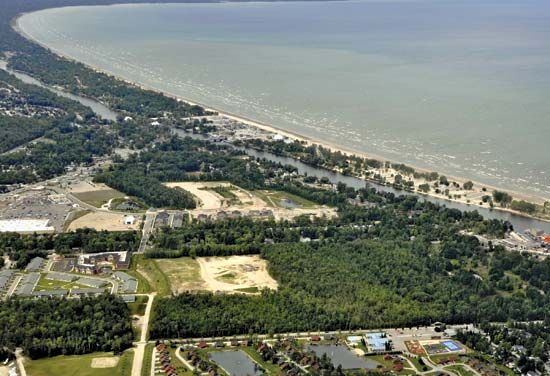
26	226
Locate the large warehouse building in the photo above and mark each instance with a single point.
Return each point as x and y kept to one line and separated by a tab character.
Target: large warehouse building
26	226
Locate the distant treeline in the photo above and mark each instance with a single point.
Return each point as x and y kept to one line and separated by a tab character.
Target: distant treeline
22	248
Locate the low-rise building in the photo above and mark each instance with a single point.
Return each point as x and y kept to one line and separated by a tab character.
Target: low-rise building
94	263
5	278
35	264
56	293
86	292
27	284
92	282
129	283
54	276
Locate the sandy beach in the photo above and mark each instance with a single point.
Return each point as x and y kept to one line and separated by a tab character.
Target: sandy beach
469	197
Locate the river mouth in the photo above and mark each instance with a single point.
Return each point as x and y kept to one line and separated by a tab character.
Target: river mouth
386	97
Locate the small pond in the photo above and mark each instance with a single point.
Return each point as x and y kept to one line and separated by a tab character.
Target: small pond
236	363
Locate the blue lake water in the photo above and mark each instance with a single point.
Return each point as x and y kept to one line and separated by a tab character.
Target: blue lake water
457	86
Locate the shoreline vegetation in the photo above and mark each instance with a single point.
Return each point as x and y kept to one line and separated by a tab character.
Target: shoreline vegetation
367	166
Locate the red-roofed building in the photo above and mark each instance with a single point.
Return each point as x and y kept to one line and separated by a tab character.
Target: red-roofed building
547	239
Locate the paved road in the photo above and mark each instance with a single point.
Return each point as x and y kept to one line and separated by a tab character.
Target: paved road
13	286
183	360
147	229
139	351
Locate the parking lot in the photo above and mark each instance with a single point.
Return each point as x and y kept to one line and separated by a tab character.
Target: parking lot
36	204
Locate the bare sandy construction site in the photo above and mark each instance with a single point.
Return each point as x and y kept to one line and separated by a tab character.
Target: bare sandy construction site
102	220
233	274
236	273
207	199
210	202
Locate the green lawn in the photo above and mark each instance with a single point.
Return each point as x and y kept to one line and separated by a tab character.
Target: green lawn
459	370
183	273
147	360
157	280
143	285
274	198
225	192
418	366
389	364
138	307
47	284
79	365
180	367
98	198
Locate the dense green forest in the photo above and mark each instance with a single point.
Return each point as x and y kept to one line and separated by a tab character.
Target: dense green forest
22	248
15	131
359	284
135	181
49	327
66	145
38	110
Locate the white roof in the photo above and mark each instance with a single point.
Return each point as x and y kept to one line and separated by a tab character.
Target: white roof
25	225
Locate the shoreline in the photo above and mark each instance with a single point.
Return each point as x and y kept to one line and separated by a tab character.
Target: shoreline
532	198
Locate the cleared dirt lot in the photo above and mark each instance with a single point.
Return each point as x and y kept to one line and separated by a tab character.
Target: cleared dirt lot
235	273
103	221
105	362
207	199
183	273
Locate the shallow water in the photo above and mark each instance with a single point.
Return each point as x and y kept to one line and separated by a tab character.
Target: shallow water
461	87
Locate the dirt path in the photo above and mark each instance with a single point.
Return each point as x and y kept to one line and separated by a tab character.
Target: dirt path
139	351
20	362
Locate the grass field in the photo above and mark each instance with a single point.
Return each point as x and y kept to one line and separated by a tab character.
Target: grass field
143	284
138	307
418	366
157	280
46	284
459	370
79	365
147	360
389	364
180	367
98	198
184	273
274	198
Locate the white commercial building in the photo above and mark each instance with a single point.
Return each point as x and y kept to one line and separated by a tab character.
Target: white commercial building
26	226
